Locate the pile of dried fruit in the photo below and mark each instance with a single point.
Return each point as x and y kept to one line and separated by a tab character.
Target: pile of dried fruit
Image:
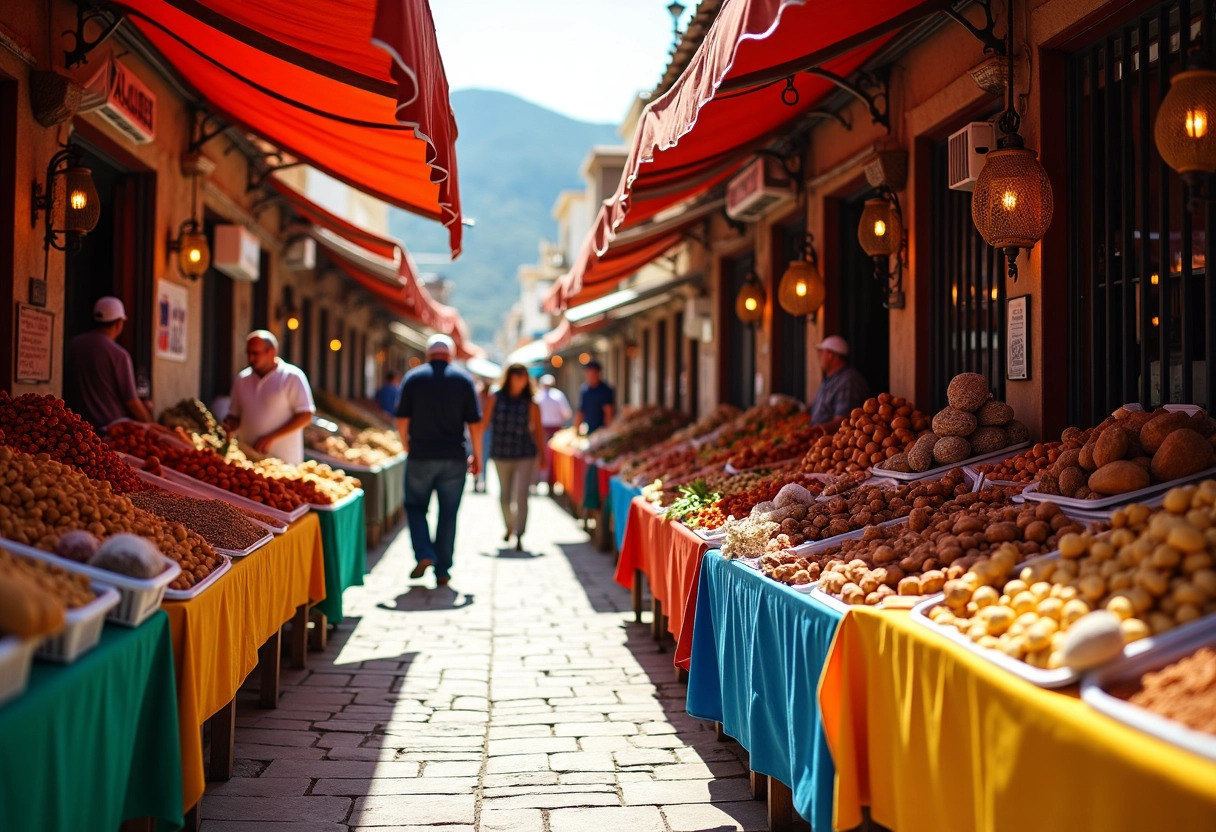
1023	467
789	439
314	482
883	427
44	424
41	500
198	423
217	522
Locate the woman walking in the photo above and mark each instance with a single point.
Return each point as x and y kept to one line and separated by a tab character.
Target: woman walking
517	446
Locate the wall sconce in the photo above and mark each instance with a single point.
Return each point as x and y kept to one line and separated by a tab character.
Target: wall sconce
801	290
749	305
81	207
881	235
193	251
1183	130
1012	203
335	345
631	351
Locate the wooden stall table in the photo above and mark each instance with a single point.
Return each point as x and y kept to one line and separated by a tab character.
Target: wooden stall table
218	635
934	738
95	743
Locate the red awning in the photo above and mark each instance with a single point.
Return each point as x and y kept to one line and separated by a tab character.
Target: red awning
728	101
356	89
594	276
310	211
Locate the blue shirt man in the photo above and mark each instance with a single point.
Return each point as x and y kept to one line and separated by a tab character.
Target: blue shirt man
389	393
842	389
596	401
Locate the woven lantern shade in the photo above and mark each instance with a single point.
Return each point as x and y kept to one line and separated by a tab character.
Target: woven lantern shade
1012	202
82	207
749	305
1184	132
880	231
801	290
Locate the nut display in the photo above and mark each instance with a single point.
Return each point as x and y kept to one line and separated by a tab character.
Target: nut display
72	589
314	482
1184	691
193	418
41	500
215	521
26	609
883	428
44	424
789	439
1023	467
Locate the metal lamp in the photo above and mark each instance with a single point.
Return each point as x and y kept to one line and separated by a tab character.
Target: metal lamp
193	250
1183	131
801	290
749	305
81	207
881	235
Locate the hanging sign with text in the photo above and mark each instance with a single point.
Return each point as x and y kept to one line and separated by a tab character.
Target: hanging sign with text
35	344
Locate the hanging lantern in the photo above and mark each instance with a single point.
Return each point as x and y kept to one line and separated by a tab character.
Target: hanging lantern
801	290
1184	132
881	230
749	305
83	208
1012	203
193	251
81	205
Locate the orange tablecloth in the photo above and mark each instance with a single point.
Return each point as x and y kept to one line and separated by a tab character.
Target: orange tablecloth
569	471
216	636
669	555
934	738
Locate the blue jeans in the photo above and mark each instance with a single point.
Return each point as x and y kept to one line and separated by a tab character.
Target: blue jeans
446	478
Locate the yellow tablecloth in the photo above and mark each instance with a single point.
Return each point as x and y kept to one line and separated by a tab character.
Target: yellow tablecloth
216	636
935	739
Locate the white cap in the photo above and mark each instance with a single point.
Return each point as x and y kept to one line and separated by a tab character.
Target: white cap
836	344
439	344
548	379
107	310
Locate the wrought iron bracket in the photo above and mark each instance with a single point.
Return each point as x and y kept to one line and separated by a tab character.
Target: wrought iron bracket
984	34
871	89
255	178
207	126
791	162
86	12
836	117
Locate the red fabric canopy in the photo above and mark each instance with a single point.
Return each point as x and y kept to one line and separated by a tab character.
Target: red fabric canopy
697	133
377	244
314	79
595	276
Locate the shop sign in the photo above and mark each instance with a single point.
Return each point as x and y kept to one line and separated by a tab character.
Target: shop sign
1017	336
35	344
172	312
125	102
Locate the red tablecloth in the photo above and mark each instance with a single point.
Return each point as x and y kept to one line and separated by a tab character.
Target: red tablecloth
605	474
669	555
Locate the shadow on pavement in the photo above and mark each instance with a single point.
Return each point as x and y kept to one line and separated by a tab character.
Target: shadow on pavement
425	599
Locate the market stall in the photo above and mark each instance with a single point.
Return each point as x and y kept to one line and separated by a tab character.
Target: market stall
344	543
95	743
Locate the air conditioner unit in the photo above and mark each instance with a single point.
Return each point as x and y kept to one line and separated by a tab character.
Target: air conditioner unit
300	254
967	150
123	101
758	189
699	320
237	253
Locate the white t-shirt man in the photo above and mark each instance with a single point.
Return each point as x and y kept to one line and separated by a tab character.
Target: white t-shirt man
554	407
263	404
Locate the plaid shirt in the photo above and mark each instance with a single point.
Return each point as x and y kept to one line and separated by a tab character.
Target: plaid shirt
838	395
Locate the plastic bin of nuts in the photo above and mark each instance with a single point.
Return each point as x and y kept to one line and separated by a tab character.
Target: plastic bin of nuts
16	656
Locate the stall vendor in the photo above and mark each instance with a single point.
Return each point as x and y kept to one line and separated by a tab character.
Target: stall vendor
842	389
596	401
100	383
271	401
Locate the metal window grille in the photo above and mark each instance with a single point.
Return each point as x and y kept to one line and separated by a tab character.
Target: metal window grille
966	291
1141	310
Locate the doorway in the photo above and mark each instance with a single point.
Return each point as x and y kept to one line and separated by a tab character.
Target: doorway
864	320
215	370
737	358
789	331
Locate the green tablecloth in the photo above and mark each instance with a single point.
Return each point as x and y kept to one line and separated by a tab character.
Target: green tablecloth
92	744
373	496
344	543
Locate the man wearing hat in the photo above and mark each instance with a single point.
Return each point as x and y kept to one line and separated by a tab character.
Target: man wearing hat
437	401
842	388
596	401
99	379
554	413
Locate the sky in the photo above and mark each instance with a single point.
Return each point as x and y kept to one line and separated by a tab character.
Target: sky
584	58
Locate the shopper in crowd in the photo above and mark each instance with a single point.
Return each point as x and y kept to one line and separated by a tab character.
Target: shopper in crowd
438	401
842	389
271	401
555	412
99	376
517	447
483	399
389	393
596	401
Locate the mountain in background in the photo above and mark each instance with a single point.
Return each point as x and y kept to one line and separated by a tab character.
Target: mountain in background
514	158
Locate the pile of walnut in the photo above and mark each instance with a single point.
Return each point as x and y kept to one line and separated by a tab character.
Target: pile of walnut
864	506
973	424
1129	451
881	428
918	558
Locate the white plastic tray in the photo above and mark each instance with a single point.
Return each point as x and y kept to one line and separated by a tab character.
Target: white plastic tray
198	488
1094	693
201	586
248	550
138	598
83	629
1031	492
345	501
829	542
908	476
16	656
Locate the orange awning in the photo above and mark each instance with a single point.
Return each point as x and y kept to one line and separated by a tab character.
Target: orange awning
313	213
356	89
594	276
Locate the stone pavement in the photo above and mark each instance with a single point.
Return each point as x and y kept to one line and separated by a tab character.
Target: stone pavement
521	698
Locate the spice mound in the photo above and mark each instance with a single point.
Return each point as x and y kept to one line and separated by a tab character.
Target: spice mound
1184	691
215	521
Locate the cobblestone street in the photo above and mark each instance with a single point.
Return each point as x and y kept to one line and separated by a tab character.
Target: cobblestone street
522	697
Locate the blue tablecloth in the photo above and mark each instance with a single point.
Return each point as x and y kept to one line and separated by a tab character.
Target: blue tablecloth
757	653
620	495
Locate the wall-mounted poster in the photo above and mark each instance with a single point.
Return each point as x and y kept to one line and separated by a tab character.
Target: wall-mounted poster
1017	338
171	312
35	344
